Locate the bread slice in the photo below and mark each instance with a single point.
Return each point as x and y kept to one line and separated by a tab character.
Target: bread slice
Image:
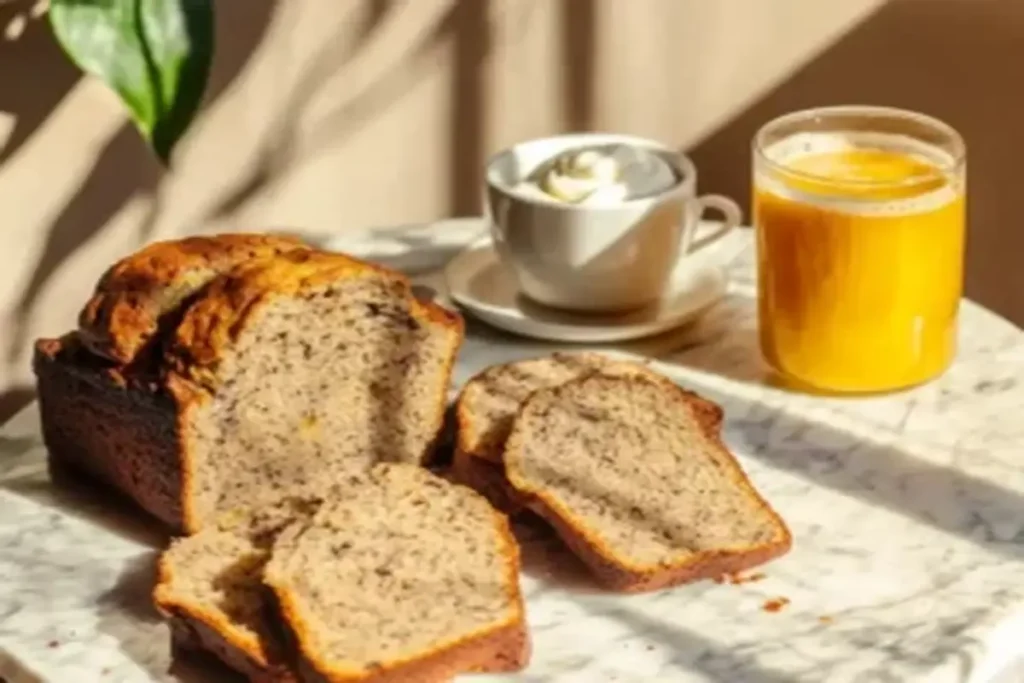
634	477
138	294
283	371
406	578
489	402
210	587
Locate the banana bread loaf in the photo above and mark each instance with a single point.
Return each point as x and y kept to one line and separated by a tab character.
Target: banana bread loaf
289	367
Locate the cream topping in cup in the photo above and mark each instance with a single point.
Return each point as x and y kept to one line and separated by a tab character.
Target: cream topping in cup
605	175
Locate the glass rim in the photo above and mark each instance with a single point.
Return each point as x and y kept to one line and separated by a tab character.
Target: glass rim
956	163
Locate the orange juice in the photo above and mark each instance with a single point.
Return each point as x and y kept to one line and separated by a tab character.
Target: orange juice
860	241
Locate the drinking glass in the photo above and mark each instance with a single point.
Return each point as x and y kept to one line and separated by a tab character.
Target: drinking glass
859	215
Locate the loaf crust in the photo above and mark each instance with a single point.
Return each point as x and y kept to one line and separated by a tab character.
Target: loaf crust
128	425
621	573
124	313
112	423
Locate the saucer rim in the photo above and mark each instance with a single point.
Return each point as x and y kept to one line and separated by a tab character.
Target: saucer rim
515	320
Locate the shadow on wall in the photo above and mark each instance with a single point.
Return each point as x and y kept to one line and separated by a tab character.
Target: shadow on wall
278	149
27	52
123	168
466	28
949	58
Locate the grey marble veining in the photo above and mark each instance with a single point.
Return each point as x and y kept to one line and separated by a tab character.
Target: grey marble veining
907	512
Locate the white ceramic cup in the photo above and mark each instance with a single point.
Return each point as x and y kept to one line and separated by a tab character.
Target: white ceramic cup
596	258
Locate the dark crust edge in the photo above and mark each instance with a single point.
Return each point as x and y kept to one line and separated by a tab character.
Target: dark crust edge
56	361
191	629
613	573
488	479
191	634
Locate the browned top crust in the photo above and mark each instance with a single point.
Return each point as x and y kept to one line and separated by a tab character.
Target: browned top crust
124	314
215	321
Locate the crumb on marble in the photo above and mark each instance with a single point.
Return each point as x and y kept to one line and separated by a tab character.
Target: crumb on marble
775	604
825	619
53	644
738	579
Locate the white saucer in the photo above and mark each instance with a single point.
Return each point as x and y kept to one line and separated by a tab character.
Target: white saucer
477	282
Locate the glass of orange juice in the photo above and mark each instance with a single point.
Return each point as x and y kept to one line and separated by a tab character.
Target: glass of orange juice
859	215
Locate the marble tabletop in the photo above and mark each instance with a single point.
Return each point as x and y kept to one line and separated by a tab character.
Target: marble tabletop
907	512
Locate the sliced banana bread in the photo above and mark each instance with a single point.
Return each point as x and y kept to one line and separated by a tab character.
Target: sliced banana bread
138	294
210	586
642	488
405	578
489	402
285	370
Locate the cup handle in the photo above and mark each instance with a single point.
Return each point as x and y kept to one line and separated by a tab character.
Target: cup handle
732	216
497	236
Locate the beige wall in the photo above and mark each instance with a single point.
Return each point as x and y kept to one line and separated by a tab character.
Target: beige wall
332	115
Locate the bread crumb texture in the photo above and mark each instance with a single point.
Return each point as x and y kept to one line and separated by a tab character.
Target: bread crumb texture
634	476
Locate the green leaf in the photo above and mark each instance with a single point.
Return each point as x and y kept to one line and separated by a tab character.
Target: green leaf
155	54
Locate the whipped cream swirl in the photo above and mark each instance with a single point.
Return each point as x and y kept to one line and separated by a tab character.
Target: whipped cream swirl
605	175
